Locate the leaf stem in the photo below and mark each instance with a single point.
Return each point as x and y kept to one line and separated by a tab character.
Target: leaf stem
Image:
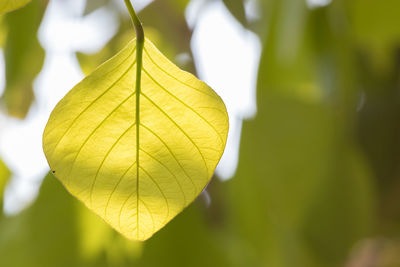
139	63
136	22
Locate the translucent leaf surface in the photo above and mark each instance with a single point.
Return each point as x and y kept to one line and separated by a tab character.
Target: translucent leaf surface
137	175
9	5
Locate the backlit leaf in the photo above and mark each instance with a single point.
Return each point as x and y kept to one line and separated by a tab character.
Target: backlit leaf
137	175
9	5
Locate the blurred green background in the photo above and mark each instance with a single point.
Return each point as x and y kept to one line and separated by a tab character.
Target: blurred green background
318	180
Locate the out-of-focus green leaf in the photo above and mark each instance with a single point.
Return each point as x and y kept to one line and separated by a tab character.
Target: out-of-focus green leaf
3	32
165	23
92	5
236	7
9	5
345	203
57	230
376	29
282	195
178	5
23	55
309	54
287	55
45	234
4	176
379	135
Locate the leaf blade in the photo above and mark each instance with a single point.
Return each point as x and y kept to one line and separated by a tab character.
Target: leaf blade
92	135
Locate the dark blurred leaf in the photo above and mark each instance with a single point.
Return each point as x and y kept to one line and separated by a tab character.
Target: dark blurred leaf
379	135
236	7
23	55
166	25
287	55
92	5
376	29
343	211
375	32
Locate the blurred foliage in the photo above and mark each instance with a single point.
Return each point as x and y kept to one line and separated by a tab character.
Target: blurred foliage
10	5
4	176
318	182
92	5
23	55
375	30
169	30
57	230
236	7
307	193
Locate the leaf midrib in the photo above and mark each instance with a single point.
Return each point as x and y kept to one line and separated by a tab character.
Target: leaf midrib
139	65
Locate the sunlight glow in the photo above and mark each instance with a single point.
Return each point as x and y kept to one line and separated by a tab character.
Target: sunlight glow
317	3
227	58
21	141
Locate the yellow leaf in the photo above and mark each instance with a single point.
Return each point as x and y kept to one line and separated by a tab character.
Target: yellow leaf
9	5
137	175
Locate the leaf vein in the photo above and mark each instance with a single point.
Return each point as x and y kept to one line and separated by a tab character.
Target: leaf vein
186	105
151	215
115	188
97	127
126	200
94	101
173	77
179	128
104	159
159	188
176	178
173	155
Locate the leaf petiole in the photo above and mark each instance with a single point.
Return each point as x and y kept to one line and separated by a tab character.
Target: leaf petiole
136	22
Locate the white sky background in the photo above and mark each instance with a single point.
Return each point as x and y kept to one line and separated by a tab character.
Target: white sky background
225	53
62	33
226	57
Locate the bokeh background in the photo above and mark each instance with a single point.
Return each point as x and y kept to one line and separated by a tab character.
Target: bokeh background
311	173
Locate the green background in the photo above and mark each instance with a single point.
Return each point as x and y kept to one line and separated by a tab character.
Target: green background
318	181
